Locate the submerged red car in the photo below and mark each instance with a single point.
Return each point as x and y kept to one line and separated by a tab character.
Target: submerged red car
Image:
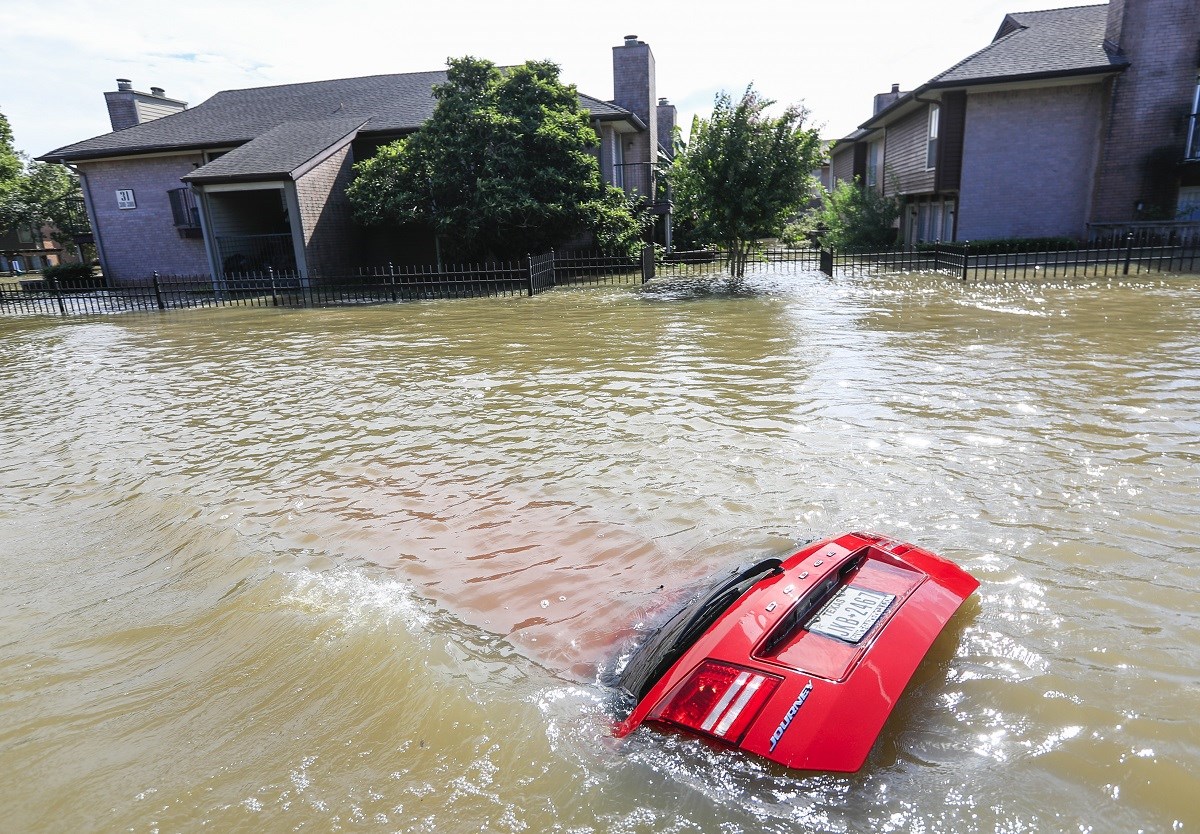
798	660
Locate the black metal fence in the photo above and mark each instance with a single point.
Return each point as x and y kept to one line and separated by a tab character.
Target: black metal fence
287	288
699	262
1104	255
1132	253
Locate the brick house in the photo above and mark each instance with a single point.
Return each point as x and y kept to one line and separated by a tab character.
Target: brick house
1069	122
257	177
28	249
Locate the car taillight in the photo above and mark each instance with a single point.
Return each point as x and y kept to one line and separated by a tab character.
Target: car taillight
719	699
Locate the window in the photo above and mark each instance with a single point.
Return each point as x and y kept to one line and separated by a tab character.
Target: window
125	199
874	163
931	146
618	160
1193	143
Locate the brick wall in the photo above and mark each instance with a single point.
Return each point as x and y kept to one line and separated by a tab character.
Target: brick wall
1028	161
1151	101
331	237
137	242
634	89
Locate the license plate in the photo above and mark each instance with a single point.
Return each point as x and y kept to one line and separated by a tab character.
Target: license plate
850	614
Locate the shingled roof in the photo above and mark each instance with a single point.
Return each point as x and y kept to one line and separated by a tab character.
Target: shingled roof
1029	46
286	150
1039	44
382	104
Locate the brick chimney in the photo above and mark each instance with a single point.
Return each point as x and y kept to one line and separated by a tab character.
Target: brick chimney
886	100
128	107
1116	23
633	89
1146	131
666	126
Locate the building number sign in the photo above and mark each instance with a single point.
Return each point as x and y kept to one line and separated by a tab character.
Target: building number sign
125	198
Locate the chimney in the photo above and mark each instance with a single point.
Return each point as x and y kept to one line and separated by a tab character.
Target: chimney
128	107
886	100
666	127
1116	25
633	89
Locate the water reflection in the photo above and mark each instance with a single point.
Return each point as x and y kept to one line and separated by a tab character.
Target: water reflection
359	567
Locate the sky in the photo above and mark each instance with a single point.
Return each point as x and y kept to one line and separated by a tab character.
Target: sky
57	58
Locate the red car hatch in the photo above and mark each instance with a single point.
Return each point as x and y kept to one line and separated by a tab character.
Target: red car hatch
799	661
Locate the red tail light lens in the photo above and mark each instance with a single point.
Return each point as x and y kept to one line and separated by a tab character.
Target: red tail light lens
719	699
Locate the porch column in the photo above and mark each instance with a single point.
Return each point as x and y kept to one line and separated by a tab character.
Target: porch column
293	204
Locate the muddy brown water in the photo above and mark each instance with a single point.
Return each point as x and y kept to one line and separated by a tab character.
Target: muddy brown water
357	569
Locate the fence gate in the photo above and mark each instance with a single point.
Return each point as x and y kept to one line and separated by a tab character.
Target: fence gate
541	273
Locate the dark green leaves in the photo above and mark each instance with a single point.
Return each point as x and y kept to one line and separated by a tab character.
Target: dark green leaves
744	173
506	166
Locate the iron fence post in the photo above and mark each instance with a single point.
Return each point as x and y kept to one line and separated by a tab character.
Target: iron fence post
271	276
158	299
647	264
57	290
1128	251
392	280
529	260
966	252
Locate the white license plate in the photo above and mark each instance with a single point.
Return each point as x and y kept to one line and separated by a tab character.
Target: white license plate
850	614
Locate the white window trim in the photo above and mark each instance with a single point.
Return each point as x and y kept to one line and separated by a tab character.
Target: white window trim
1191	138
931	136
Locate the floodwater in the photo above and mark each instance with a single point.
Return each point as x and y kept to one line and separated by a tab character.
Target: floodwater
359	569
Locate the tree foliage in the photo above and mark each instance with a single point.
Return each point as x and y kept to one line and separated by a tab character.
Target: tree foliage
853	217
744	173
505	166
32	194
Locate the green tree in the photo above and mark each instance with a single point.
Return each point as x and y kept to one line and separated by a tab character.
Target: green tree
744	173
32	194
505	166
853	217
11	167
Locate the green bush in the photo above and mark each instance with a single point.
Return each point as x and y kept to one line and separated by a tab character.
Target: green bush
999	246
68	272
854	217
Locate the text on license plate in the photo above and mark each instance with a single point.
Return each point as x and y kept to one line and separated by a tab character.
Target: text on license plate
851	613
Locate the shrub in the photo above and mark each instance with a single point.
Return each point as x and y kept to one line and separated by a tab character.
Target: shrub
998	246
853	217
68	272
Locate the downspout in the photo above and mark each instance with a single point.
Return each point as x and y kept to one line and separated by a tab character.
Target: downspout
90	205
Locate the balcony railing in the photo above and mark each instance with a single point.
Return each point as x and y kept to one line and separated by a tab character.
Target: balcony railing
184	211
636	178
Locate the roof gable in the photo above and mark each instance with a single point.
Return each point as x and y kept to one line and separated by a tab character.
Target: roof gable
1028	47
284	151
1056	41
